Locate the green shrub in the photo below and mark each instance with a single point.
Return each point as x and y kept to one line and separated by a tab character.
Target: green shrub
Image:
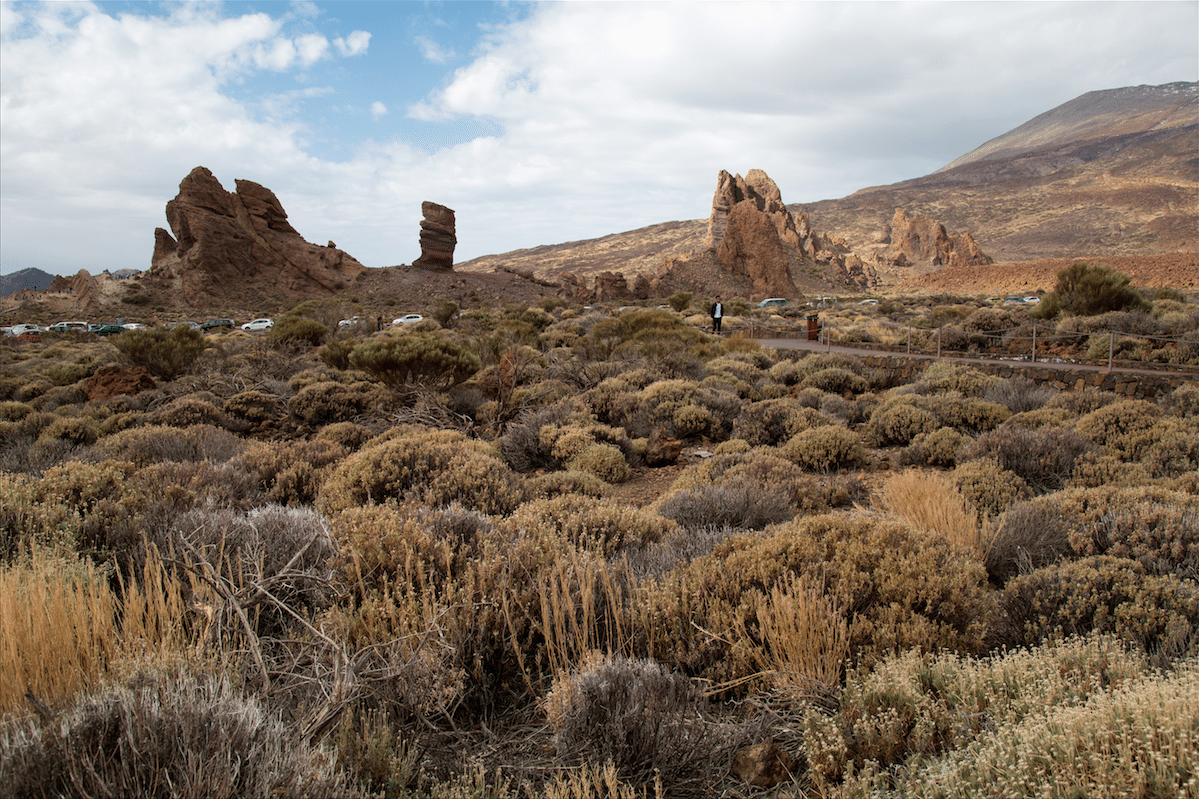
14	411
938	448
294	329
431	469
770	422
898	421
431	360
164	353
336	353
835	380
988	486
330	402
1104	594
77	430
1088	289
253	406
825	449
188	411
604	461
569	481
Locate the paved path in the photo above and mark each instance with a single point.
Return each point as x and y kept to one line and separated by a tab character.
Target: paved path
816	346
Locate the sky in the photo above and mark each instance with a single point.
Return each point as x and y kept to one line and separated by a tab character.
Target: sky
538	123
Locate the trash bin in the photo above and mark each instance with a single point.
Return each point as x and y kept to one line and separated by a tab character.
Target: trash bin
813	327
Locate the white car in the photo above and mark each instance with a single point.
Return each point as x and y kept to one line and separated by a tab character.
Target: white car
258	324
133	326
70	327
1033	300
21	330
408	319
353	320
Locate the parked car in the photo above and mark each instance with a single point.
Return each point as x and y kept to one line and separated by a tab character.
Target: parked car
1019	300
868	302
353	320
25	330
69	327
773	302
108	330
133	326
185	323
258	324
1033	300
217	324
408	319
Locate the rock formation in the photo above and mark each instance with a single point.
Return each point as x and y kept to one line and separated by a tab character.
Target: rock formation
922	242
437	238
225	240
82	288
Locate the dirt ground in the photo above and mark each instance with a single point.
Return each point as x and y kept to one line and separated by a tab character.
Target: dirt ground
1171	270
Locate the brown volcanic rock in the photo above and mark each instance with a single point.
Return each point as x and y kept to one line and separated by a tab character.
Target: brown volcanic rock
227	241
751	248
921	241
82	288
113	381
438	237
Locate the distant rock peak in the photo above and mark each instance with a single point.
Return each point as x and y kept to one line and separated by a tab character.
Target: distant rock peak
438	237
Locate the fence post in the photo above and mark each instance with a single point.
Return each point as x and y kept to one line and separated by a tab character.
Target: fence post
939	341
1111	348
828	338
1034	342
909	339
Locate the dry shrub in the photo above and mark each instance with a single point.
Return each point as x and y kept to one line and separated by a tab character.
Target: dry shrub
836	380
328	402
429	468
528	442
762	469
679	408
1019	394
1044	459
570	481
75	430
988	486
1080	403
899	588
634	713
914	707
825	449
1183	401
898	421
771	422
1031	535
930	501
1103	594
600	525
738	503
188	411
156	443
1124	427
173	735
938	448
348	434
29	519
941	378
14	411
604	461
292	474
1098	468
254	407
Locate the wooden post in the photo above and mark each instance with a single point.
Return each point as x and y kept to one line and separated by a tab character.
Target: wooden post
909	339
1111	348
1034	342
939	341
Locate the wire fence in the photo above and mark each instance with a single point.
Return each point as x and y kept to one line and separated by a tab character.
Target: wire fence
1032	342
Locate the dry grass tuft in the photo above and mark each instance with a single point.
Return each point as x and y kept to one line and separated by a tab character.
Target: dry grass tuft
930	501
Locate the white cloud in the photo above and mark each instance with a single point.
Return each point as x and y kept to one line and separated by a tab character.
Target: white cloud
432	51
354	44
600	117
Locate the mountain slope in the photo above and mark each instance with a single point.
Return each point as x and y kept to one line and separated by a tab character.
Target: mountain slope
34	279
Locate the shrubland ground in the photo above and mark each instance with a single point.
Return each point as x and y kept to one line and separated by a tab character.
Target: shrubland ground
418	563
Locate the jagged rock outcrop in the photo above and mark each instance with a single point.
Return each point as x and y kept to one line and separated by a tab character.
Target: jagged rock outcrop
438	237
752	248
82	288
225	241
922	242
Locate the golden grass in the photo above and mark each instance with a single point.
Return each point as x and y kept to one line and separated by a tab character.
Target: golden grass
591	781
930	501
64	626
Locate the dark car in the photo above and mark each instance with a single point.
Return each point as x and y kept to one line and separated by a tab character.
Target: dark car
108	330
217	324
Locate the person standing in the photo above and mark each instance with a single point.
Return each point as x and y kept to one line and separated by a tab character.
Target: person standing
717	314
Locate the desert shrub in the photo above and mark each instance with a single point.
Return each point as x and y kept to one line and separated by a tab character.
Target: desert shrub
604	461
825	449
770	422
787	373
432	360
897	422
347	434
914	707
329	402
1103	594
941	378
835	380
567	481
1042	417
14	411
1183	401
1124	426
1099	468
938	448
988	486
292	329
432	469
1019	394
987	320
29	519
336	352
636	714
78	430
524	446
155	443
1031	535
899	589
763	469
1044	459
254	406
679	300
292	474
164	353
1081	403
599	524
170	735
1088	289
737	503
188	411
678	408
